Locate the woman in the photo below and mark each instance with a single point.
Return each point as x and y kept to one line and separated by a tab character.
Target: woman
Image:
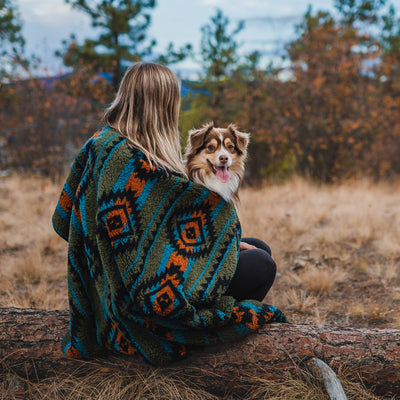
151	254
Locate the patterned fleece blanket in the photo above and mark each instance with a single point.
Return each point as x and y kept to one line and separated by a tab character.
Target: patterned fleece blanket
150	256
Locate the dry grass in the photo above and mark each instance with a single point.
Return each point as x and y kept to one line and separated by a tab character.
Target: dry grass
106	384
337	248
338	254
306	386
32	257
352	214
117	383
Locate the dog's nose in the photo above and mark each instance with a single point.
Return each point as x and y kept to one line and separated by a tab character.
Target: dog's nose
223	159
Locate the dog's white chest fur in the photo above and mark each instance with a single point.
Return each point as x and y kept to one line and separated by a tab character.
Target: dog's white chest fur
225	190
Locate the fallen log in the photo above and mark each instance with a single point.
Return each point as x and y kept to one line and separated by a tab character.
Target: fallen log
30	346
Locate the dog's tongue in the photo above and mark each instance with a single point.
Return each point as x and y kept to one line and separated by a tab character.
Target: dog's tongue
222	174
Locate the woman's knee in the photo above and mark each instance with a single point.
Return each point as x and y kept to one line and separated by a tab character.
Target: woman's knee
270	267
266	272
260	244
255	274
263	264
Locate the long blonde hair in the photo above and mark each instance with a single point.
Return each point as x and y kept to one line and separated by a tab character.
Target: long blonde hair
146	112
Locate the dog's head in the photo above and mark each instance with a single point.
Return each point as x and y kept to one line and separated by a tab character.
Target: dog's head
216	156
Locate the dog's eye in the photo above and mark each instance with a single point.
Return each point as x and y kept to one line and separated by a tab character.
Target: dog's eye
210	148
231	147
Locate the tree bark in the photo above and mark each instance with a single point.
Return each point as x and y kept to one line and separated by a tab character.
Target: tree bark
30	346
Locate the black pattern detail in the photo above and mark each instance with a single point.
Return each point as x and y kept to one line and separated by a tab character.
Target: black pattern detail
165	300
116	220
191	231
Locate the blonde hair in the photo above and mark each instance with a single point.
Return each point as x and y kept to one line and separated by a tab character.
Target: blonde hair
146	112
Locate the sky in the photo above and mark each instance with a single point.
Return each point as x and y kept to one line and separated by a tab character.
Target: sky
269	24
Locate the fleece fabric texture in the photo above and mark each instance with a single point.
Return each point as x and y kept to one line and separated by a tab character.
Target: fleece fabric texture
150	256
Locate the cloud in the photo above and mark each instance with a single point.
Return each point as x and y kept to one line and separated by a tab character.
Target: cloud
212	2
270	19
47	12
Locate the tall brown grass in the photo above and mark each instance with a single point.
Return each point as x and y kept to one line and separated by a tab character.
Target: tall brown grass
337	249
32	257
299	215
336	246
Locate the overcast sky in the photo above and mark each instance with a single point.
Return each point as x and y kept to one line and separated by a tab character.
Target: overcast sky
268	24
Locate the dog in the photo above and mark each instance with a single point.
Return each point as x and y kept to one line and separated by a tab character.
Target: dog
215	158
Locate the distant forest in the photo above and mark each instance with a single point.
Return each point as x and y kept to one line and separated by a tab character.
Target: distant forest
334	114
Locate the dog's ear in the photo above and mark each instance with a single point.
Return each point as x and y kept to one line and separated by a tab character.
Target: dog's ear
197	136
242	138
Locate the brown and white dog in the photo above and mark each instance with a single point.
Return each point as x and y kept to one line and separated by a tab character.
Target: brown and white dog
215	158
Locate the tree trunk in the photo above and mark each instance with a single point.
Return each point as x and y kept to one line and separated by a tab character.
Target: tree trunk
30	345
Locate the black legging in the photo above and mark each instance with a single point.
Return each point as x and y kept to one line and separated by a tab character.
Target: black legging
255	272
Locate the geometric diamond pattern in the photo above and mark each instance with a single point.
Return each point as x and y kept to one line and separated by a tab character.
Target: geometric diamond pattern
116	220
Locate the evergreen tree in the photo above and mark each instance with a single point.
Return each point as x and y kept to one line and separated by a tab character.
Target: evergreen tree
364	11
219	47
11	39
219	59
391	34
123	26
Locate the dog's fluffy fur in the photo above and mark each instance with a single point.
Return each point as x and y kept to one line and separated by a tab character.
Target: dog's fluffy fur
215	158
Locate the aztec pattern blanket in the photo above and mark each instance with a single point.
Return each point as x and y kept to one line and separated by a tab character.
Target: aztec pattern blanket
150	256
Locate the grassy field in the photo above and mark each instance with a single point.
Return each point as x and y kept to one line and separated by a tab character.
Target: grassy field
337	249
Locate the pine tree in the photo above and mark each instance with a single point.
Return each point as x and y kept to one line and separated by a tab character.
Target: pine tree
123	25
219	47
219	59
123	39
11	40
364	11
